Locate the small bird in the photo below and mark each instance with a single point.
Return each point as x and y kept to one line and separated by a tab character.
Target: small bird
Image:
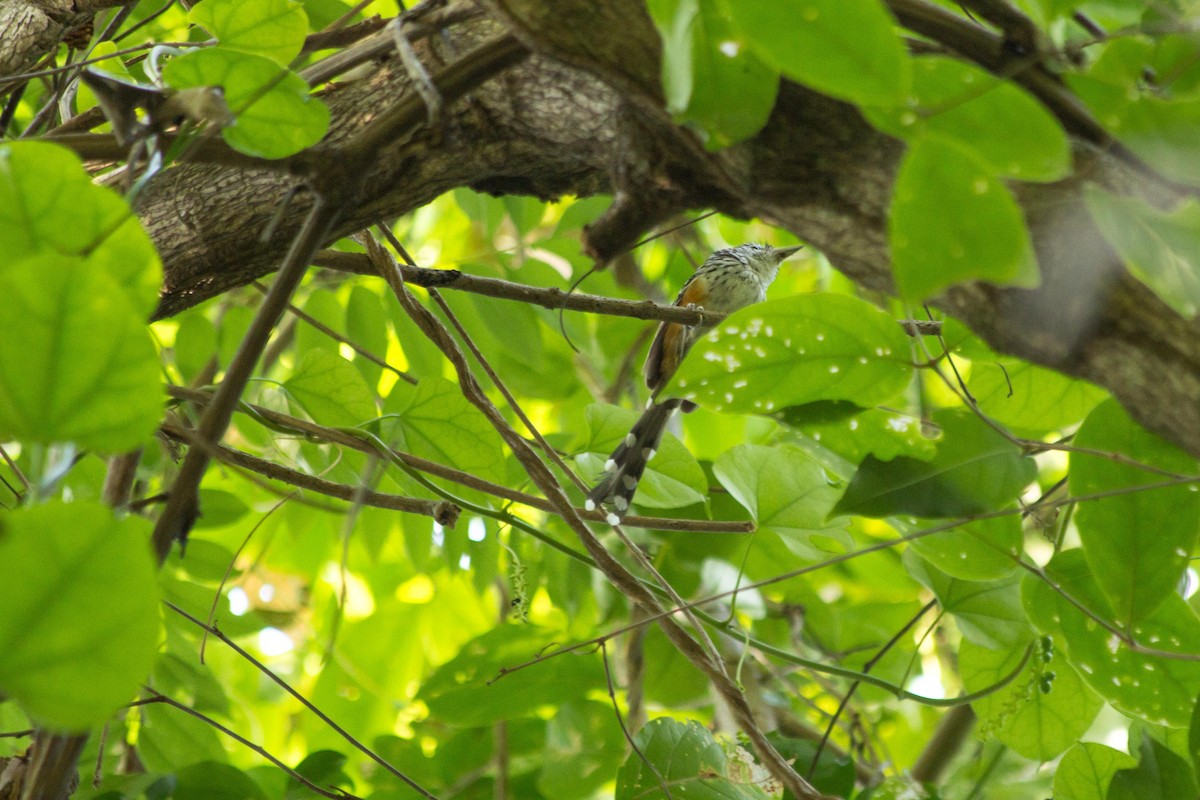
728	280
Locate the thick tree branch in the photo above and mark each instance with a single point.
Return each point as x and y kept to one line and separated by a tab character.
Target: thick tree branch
581	124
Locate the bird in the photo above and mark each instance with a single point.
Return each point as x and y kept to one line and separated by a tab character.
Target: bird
728	280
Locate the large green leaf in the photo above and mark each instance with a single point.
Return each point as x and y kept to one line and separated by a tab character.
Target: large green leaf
1139	543
672	479
1161	249
953	220
82	367
1042	712
854	432
213	780
276	116
995	119
787	494
685	760
331	390
712	79
433	420
975	470
988	612
78	611
797	350
271	28
845	48
1158	689
1086	771
1160	775
469	689
49	204
1030	399
979	550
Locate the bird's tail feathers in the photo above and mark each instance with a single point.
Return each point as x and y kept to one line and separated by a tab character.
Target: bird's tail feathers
628	462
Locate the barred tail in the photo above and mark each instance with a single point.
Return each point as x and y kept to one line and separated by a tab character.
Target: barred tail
627	463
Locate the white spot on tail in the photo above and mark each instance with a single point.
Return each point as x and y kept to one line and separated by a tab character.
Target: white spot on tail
590	505
612	519
629	481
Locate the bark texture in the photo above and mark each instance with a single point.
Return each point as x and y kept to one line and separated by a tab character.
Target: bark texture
585	115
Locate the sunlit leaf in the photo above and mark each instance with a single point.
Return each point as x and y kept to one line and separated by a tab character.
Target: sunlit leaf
74	649
1086	771
978	550
797	350
276	116
48	203
786	493
994	118
845	48
1042	712
1030	399
83	367
988	612
1158	689
953	220
271	28
433	420
331	390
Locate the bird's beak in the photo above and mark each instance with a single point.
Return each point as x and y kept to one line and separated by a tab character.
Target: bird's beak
781	253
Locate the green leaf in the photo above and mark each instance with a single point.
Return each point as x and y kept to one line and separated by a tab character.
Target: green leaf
75	648
797	350
83	368
952	220
195	344
1041	713
1161	249
787	494
672	479
325	768
1158	130
276	116
854	432
988	612
1194	738
995	119
213	780
331	390
1159	775
833	774
1138	544
584	748
48	203
433	420
981	550
271	28
845	48
685	758
366	326
1158	689
1086	771
469	689
1030	399
711	78
974	471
